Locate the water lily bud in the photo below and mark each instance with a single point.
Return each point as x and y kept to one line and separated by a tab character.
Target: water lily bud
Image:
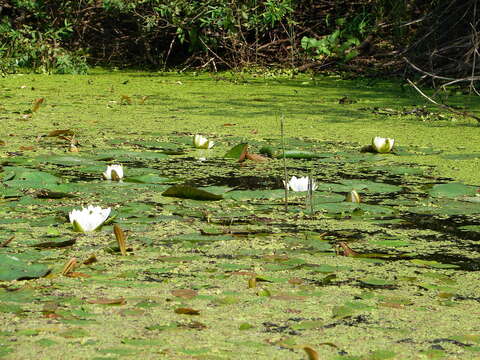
353	196
113	172
201	142
382	145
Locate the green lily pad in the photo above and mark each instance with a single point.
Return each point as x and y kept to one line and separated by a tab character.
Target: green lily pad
236	151
12	268
361	186
453	190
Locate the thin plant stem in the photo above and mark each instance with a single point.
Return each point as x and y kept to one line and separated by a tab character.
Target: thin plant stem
310	191
285	174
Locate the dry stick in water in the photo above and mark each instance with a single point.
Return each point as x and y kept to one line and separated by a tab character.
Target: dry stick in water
8	241
443	106
285	175
310	191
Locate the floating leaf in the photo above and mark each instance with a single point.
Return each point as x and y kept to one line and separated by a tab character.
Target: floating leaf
125	99
237	152
190	192
256	157
106	301
187	311
65	132
12	268
184	293
300	154
453	190
377	282
54	244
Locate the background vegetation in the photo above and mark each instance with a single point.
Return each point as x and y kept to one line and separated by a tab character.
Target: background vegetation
65	36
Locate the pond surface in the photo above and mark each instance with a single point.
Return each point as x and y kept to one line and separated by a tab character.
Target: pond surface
219	264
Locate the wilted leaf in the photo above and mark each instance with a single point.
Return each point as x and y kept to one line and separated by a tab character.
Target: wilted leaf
92	259
65	132
184	293
37	103
77	274
295	281
347	251
187	311
54	244
49	194
125	99
256	157
106	301
288	297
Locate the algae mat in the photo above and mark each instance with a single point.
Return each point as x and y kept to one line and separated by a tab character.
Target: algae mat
216	267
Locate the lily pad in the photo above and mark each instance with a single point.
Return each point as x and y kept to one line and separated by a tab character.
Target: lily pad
12	268
190	192
453	190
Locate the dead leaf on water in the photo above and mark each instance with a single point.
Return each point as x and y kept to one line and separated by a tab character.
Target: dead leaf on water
256	157
125	99
197	325
64	132
184	293
106	301
77	274
288	297
142	100
295	281
187	311
347	251
92	259
243	273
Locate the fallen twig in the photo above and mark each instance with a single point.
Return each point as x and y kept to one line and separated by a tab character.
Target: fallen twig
443	106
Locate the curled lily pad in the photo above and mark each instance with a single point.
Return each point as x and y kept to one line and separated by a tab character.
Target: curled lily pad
190	192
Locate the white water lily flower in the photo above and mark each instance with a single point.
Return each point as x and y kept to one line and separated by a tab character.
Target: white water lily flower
89	218
300	184
382	145
201	142
108	174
